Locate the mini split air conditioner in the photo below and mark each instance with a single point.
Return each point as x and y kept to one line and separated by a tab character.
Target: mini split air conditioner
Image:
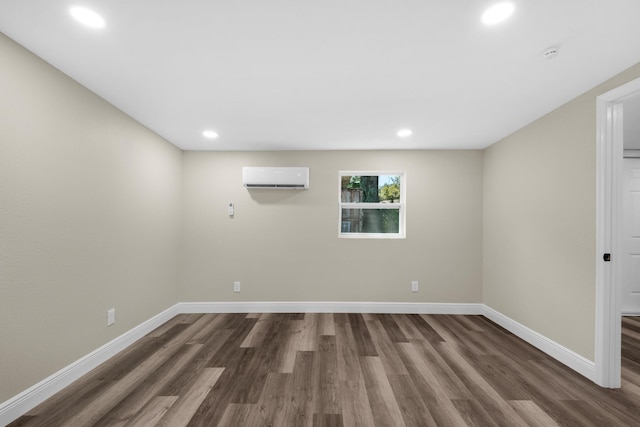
270	177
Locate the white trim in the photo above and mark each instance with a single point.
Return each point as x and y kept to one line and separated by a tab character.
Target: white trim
33	396
330	307
609	155
562	354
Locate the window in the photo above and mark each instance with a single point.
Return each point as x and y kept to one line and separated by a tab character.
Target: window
372	205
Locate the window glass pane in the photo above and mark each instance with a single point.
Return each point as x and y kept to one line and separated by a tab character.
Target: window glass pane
370	189
370	221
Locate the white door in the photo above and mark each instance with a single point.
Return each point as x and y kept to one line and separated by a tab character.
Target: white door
631	237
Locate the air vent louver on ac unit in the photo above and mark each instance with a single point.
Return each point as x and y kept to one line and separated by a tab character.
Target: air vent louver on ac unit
291	178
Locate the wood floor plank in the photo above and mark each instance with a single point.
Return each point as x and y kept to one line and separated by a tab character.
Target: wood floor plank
361	335
430	387
482	391
385	349
285	342
355	402
621	405
290	346
249	375
326	325
414	410
422	325
474	414
407	328
236	414
174	385
301	393
574	412
152	413
327	420
341	369
241	327
110	397
272	401
347	353
256	335
309	334
502	377
632	333
127	409
216	322
439	325
329	398
447	379
356	410
340	318
381	398
186	405
391	328
214	405
183	319
532	413
103	377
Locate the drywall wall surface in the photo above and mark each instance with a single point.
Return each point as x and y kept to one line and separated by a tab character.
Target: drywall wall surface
89	220
283	245
539	222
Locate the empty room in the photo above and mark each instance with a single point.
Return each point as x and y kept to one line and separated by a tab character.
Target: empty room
290	213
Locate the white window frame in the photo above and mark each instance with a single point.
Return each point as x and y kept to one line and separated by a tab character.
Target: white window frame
400	206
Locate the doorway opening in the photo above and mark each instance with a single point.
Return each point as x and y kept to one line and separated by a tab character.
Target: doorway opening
609	229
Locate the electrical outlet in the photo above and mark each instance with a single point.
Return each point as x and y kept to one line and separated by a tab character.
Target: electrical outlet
414	286
111	317
236	286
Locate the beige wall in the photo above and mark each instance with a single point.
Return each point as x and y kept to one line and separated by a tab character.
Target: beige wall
89	220
539	222
283	245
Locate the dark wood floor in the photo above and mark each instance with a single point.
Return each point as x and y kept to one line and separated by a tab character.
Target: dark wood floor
340	370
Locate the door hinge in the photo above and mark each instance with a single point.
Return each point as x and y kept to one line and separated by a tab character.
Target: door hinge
607	257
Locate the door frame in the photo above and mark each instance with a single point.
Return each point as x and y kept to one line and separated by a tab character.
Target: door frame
609	170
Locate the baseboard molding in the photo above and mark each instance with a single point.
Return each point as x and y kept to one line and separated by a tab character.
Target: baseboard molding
33	396
329	307
571	359
30	398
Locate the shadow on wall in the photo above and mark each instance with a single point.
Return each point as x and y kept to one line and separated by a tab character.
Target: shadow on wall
268	196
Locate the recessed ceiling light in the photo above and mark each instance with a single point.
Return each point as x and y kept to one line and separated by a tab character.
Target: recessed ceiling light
403	133
210	134
498	13
87	17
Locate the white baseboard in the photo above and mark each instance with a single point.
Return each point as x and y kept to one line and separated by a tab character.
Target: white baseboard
33	396
571	359
30	398
329	307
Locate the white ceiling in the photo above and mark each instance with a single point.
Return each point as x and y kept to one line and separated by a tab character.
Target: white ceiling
332	74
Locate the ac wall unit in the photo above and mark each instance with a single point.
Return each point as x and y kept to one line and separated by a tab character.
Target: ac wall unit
270	177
